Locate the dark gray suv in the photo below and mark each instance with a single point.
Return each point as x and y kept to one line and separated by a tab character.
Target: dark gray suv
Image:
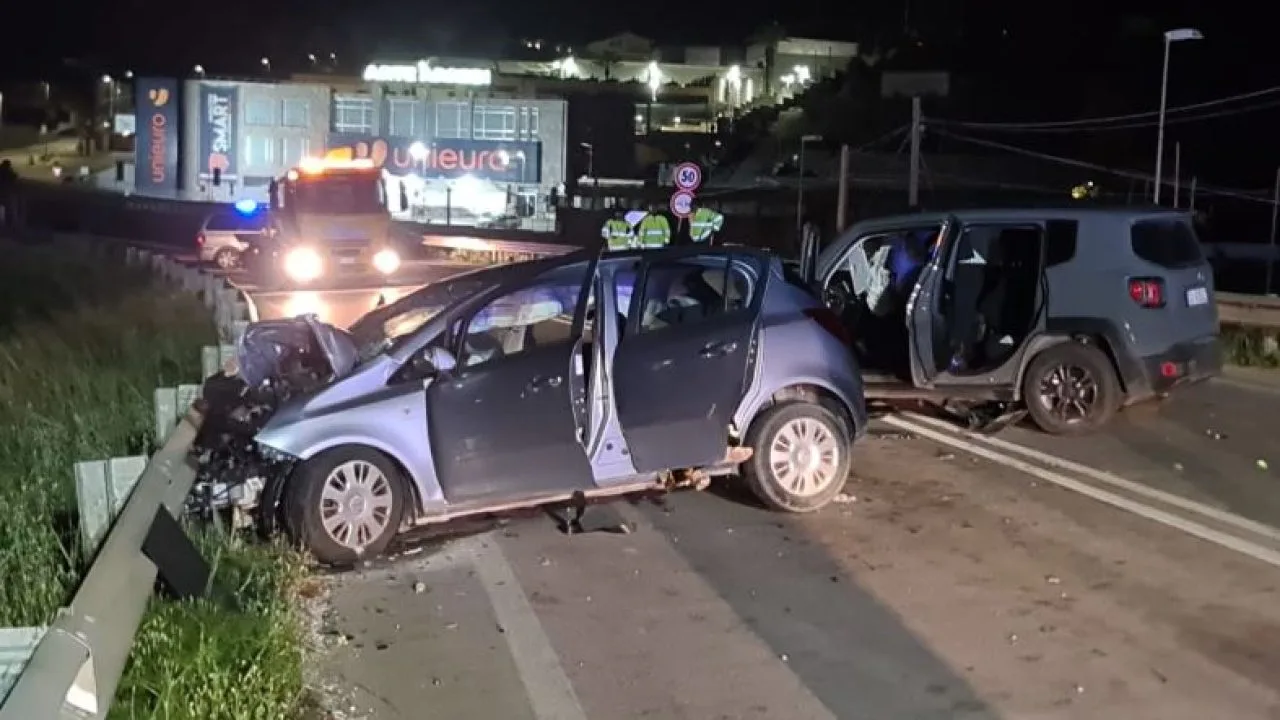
1067	314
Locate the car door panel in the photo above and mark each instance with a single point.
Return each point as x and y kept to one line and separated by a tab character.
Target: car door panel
508	427
676	388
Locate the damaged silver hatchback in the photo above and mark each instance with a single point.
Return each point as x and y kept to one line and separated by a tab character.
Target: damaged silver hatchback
532	384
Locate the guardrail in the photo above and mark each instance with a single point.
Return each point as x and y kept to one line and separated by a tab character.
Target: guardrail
1248	311
128	511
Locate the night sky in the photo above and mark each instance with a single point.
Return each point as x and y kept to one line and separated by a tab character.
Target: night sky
1023	61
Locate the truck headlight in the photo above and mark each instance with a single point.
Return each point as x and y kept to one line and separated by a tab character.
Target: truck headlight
386	261
303	264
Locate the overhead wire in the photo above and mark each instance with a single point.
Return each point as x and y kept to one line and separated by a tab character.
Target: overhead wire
1177	120
1129	117
1128	174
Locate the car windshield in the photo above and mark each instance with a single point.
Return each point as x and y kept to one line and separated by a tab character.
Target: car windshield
385	328
337	194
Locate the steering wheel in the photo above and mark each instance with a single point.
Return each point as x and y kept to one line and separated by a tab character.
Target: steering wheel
838	294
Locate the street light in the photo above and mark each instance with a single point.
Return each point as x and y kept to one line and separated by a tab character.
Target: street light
1170	37
199	70
800	190
266	63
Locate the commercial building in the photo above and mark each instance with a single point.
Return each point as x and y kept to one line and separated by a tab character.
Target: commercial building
462	153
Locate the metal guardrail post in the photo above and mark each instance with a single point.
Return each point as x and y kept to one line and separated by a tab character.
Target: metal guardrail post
77	664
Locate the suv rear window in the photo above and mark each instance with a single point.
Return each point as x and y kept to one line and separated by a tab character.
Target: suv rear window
1167	243
235	222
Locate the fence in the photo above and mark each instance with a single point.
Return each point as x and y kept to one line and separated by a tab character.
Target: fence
128	509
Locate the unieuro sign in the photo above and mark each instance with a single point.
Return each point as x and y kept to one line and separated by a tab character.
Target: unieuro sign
426	74
497	161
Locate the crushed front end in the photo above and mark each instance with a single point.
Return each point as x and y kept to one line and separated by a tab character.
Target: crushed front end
276	362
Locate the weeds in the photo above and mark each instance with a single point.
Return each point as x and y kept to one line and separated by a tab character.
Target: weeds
83	344
1251	347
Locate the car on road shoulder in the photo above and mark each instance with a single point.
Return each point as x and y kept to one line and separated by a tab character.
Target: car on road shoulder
225	235
1065	314
559	379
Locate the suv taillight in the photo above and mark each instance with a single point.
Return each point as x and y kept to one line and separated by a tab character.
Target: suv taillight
200	239
1147	292
831	323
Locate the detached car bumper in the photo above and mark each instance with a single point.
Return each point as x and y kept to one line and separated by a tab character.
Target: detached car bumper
1183	363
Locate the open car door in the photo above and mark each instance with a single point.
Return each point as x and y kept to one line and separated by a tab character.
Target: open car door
688	348
504	423
978	302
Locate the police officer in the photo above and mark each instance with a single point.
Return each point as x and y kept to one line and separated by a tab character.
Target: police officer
704	224
654	230
617	232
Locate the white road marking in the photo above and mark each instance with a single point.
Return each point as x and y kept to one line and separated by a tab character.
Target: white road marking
550	692
1110	479
1232	542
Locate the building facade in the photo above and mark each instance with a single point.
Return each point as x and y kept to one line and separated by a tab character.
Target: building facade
454	149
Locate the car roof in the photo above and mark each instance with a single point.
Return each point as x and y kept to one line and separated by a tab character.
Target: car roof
1039	212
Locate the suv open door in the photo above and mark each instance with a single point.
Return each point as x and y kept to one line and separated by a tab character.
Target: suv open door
977	303
687	350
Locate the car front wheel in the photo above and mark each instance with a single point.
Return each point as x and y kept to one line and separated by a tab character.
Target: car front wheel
345	504
801	458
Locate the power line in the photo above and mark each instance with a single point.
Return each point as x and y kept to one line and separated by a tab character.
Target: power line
1119	118
1123	126
1127	174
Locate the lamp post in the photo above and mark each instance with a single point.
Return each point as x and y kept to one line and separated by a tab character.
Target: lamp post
1170	37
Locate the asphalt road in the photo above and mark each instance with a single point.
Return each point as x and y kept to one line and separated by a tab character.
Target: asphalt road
1131	574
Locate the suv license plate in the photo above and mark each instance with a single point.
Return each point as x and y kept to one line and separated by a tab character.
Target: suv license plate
1197	296
352	261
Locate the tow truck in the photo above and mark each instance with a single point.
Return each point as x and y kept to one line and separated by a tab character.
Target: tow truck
326	217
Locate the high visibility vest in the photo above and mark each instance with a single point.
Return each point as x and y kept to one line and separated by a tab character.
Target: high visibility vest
705	222
617	233
655	231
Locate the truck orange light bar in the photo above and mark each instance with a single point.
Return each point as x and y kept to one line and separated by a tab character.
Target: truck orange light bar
313	165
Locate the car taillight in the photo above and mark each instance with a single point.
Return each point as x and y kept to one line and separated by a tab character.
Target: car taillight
831	323
1147	292
200	239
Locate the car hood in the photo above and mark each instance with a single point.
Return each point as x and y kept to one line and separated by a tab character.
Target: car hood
273	350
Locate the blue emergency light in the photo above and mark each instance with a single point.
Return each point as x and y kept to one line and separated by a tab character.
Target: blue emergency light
246	206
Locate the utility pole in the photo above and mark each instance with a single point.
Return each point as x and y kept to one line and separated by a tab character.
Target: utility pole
842	202
1177	171
1271	249
1192	206
913	182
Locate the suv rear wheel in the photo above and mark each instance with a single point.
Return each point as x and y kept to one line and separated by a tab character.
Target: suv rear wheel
345	504
801	458
1071	389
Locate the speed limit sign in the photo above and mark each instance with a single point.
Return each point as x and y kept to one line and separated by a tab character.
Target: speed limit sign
687	176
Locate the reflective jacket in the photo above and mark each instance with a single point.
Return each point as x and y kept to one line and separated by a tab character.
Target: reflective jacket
705	221
617	233
654	231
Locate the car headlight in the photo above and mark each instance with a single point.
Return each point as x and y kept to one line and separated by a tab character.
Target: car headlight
386	261
303	264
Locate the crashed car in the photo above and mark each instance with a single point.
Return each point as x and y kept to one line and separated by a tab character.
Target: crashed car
535	383
1065	314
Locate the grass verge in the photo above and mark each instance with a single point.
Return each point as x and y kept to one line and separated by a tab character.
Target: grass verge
83	344
1251	347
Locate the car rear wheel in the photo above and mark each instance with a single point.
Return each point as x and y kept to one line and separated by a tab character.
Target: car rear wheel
1071	389
227	259
345	504
801	458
